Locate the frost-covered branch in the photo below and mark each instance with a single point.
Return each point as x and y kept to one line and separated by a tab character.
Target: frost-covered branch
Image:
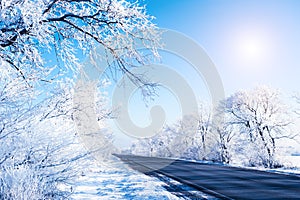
31	31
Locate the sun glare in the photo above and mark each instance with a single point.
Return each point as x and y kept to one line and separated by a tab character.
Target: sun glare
251	48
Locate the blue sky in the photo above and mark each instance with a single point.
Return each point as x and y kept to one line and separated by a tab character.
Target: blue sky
251	42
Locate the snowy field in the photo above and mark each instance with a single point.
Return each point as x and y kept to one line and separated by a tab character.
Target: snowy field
291	161
292	164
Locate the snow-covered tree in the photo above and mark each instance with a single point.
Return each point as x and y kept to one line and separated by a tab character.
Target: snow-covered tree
203	131
158	145
188	138
263	117
223	134
42	43
37	141
63	30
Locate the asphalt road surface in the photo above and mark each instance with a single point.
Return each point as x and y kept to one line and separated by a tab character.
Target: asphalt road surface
221	181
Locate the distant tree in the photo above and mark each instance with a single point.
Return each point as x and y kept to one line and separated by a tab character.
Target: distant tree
262	116
204	128
159	145
223	133
297	98
186	138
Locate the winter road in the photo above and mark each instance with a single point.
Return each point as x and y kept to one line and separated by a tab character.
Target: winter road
224	182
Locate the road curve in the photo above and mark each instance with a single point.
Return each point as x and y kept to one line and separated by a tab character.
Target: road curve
224	182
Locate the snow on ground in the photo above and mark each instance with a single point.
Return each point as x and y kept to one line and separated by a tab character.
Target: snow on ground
121	182
291	163
117	181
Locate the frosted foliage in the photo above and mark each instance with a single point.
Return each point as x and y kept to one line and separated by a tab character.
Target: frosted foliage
40	41
38	143
32	30
263	118
187	138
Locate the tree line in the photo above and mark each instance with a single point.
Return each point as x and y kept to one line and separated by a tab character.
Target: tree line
244	128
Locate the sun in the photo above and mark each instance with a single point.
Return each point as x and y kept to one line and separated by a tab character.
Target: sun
251	48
